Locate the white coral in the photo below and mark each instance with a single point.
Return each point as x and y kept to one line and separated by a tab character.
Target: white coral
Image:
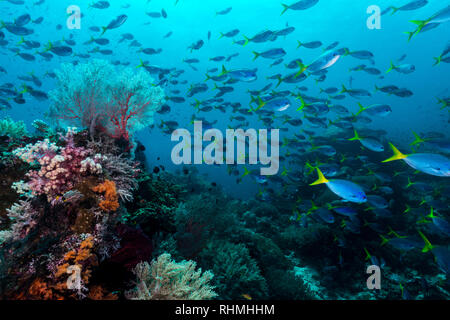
165	279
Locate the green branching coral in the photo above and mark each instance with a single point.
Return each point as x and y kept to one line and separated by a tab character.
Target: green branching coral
12	129
236	272
166	279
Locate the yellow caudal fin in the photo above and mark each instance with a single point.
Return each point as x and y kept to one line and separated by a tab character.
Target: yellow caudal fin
310	167
303	104
431	215
285	7
224	71
246	172
420	24
356	137
410	34
361	109
394	10
302	69
410	183
260	104
428	245
368	256
384	240
438	60
397	154
246	41
142	64
391	68
280	80
321	178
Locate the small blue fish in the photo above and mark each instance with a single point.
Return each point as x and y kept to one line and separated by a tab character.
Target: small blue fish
429	163
347	190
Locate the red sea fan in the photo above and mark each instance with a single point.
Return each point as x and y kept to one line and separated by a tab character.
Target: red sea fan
97	95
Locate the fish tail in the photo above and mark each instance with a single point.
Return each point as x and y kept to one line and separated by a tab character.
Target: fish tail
391	68
431	215
299	44
197	104
361	109
321	178
224	71
303	104
104	30
246	41
285	7
397	154
438	60
310	167
344	89
246	172
256	55
410	34
420	24
394	10
384	240
418	139
428	246
408	208
141	64
410	183
302	69
368	256
49	47
260	103
280	80
207	77
25	89
356	137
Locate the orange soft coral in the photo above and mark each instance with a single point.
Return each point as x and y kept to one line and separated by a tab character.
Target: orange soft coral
111	202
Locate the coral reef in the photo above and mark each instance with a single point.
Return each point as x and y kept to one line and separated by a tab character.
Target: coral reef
13	129
111	202
236	272
165	279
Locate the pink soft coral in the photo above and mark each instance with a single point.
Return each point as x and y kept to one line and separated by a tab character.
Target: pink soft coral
60	167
